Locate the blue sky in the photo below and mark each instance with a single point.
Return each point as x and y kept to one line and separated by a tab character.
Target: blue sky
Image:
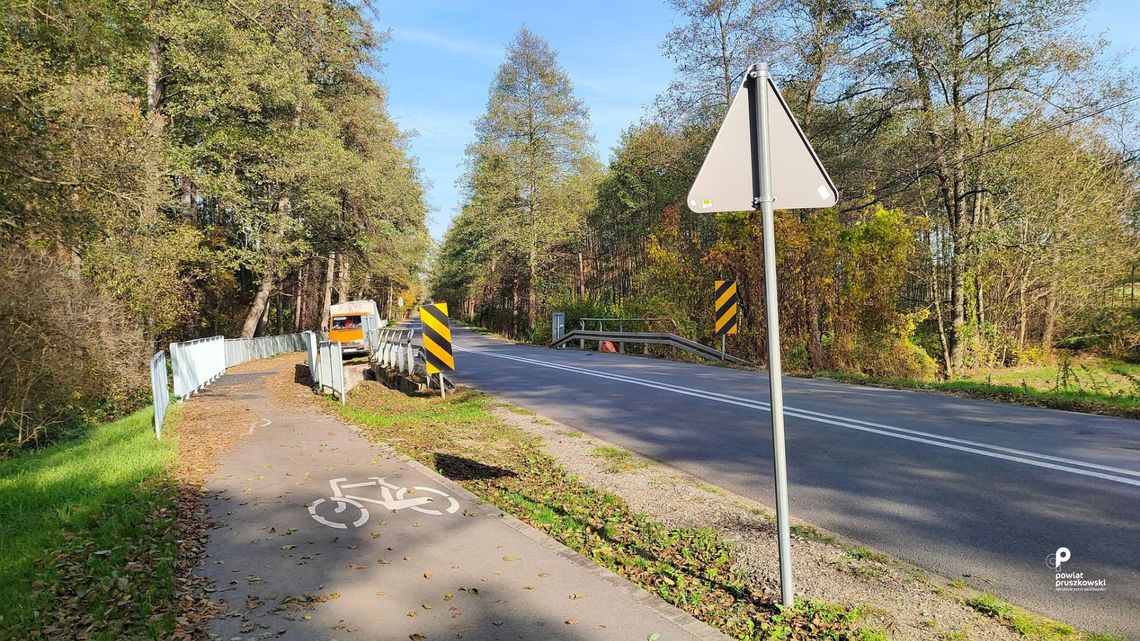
444	53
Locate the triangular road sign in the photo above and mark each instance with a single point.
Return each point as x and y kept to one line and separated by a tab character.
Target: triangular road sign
727	179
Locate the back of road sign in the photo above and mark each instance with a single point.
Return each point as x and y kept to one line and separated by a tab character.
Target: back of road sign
725	182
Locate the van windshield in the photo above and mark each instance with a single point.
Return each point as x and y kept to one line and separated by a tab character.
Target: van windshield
345	322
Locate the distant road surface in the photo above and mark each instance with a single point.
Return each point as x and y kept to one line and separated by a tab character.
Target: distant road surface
964	488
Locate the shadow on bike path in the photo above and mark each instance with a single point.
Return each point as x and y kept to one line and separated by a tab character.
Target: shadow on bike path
320	534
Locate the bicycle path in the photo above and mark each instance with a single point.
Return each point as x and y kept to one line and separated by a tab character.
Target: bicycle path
290	566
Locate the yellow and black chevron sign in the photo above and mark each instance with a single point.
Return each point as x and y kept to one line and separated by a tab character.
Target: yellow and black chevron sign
727	308
437	338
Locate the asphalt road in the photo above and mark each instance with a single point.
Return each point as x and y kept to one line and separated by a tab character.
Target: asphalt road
965	488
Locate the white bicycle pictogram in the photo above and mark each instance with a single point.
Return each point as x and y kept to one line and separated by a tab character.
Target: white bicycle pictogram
392	497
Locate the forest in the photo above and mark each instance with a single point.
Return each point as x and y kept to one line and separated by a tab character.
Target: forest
171	169
984	151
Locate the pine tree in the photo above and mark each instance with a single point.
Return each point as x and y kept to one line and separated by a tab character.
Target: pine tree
531	168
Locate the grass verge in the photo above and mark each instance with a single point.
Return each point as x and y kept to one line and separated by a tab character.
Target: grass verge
617	460
1075	400
1022	622
693	569
88	531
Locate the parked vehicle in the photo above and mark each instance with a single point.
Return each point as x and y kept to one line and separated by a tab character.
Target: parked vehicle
347	323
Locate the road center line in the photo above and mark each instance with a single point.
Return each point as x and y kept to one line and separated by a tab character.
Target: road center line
962	445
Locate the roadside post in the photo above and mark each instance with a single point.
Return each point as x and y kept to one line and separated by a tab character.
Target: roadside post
557	326
437	342
761	159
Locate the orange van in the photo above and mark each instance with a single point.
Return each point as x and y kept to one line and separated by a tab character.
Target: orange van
347	322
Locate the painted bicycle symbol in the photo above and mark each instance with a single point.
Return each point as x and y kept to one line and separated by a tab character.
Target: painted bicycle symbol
349	509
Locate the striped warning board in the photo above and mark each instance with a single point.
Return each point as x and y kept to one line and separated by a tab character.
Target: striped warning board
437	338
727	308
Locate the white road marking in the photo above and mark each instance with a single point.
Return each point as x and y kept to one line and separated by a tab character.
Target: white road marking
973	447
387	500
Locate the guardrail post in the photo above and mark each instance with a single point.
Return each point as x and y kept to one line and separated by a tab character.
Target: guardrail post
160	391
411	354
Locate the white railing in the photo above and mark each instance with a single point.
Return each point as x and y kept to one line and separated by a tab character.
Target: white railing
242	350
310	340
159	390
199	362
196	364
395	350
330	369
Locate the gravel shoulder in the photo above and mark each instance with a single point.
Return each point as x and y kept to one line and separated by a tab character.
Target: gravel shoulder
906	601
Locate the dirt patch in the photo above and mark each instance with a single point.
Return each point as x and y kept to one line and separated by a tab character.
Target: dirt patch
903	600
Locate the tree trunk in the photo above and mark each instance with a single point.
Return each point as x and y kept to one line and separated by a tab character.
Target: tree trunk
186	197
815	335
1049	327
958	315
581	277
155	121
515	309
330	266
1022	310
298	299
257	310
342	279
936	298
154	90
531	293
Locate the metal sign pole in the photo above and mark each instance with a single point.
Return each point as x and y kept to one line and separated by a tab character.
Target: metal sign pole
722	339
763	158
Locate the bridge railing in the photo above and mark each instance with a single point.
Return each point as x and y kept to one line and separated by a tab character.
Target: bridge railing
241	350
159	390
395	350
647	338
199	362
196	364
330	369
634	324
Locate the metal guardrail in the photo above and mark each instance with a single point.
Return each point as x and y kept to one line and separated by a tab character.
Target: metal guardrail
310	340
159	391
648	338
242	350
330	369
395	350
371	328
196	364
199	362
620	326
